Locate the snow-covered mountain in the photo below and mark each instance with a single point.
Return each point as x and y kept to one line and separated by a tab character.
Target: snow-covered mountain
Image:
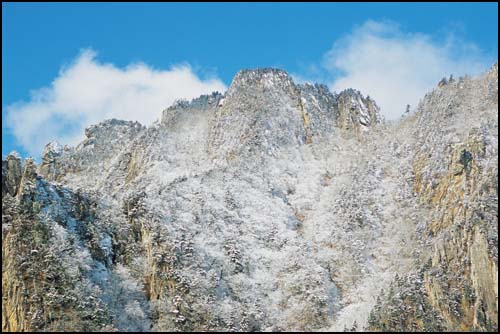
271	207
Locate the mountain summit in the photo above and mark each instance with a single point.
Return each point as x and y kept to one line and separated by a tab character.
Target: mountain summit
273	206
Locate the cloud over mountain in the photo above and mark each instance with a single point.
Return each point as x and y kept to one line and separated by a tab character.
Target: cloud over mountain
87	91
395	67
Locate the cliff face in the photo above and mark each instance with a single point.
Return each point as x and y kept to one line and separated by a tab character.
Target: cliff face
455	165
11	175
48	255
274	206
464	194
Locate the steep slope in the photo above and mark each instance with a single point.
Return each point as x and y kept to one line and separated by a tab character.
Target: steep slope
456	176
274	206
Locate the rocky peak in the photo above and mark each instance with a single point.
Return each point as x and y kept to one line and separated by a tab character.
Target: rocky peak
94	154
52	148
356	112
318	96
261	113
318	90
264	110
11	174
262	78
109	135
29	171
28	176
113	125
319	109
204	103
200	102
51	152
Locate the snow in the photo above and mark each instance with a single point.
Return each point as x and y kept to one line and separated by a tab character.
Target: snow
54	146
14	154
258	221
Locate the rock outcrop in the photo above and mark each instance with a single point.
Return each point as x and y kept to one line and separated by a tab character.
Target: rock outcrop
456	175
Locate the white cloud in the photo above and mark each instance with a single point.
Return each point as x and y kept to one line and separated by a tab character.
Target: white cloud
87	92
397	68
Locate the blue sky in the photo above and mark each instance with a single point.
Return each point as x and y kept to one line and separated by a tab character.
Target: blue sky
48	48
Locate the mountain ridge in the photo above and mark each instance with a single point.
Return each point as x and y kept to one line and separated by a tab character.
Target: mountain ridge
274	206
